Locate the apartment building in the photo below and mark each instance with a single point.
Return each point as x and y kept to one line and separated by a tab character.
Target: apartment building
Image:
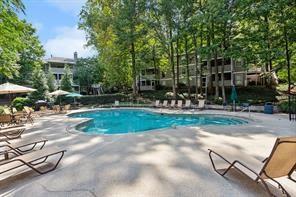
57	67
233	73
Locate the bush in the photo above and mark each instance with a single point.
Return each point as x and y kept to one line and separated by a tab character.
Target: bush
284	106
96	99
20	102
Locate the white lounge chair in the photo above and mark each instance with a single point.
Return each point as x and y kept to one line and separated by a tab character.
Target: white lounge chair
173	103
165	103
157	103
187	104
180	104
116	103
201	104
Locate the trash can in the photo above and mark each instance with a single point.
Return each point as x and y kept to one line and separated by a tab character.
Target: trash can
268	108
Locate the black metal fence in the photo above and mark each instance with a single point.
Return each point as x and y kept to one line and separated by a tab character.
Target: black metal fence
292	107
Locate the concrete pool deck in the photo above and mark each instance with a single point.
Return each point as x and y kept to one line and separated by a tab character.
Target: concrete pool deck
164	163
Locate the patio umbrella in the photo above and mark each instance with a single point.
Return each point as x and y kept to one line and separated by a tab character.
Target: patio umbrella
59	93
233	96
74	95
10	88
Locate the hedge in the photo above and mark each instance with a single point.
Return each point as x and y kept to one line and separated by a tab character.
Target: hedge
284	106
97	99
20	102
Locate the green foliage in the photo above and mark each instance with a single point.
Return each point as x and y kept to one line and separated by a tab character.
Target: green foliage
20	102
66	82
39	83
103	99
20	49
284	106
50	81
135	34
88	71
30	56
283	74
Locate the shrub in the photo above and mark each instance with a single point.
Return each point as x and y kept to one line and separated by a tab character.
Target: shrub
20	102
104	99
284	106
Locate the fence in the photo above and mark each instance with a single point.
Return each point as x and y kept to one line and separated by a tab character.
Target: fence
292	107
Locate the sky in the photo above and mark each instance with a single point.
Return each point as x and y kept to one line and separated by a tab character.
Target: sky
56	23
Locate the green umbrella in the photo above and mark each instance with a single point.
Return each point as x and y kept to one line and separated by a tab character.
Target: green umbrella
74	95
233	96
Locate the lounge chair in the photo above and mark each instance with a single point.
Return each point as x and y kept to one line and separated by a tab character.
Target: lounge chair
29	114
280	163
22	147
173	103
180	104
32	160
157	103
56	109
201	104
12	133
6	111
187	104
165	103
66	108
116	103
15	126
5	119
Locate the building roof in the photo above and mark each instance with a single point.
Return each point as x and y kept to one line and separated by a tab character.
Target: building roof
62	60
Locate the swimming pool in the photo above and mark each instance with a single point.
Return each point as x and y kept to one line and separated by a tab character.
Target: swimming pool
120	121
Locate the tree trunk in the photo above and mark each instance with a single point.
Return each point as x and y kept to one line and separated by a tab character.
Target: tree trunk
155	67
134	73
196	61
200	62
172	62
187	66
178	63
216	77
222	81
209	67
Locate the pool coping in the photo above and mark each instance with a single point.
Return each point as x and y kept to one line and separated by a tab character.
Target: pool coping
72	129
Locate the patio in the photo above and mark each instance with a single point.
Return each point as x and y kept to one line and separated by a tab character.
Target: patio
171	162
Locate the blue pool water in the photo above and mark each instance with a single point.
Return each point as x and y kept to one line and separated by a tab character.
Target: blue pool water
121	121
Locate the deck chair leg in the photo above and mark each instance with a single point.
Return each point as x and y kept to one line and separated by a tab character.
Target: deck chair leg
46	171
279	185
233	165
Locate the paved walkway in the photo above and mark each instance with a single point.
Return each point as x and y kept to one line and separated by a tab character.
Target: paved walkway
164	163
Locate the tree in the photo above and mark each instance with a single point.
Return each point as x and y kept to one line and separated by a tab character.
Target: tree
40	84
66	81
20	49
88	72
51	81
30	56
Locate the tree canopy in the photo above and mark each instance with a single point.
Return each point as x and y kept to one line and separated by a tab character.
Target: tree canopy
131	35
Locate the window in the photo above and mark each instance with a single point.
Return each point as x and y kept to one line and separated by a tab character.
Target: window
55	76
143	83
227	76
148	82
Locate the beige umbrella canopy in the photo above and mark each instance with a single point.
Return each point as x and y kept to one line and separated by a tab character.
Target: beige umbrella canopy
59	93
10	88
